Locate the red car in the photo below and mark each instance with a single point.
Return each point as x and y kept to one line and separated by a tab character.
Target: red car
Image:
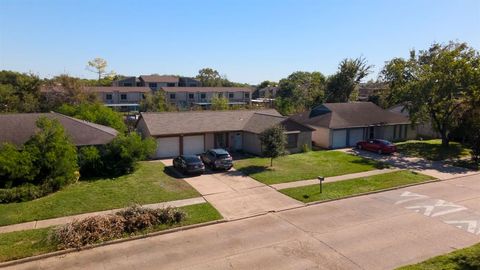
379	146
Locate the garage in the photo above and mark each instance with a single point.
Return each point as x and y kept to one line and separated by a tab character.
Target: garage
193	145
339	138
355	135
168	147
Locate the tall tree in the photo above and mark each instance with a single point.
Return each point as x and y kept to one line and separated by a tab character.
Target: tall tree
19	92
343	85
209	77
155	102
273	142
300	91
440	84
99	66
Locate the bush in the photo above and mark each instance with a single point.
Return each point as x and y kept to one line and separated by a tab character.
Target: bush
116	158
305	148
96	113
101	228
46	163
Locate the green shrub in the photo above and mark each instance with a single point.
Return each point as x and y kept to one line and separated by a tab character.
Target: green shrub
306	148
26	192
46	163
96	113
116	158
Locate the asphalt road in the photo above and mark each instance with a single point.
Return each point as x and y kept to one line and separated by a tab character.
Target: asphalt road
378	231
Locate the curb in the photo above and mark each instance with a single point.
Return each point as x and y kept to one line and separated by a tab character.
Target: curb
374	192
107	243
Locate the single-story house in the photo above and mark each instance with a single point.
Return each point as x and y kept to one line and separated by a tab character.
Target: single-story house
423	129
237	130
18	128
339	125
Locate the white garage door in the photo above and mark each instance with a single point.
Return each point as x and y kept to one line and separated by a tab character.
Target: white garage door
168	147
193	145
355	136
339	138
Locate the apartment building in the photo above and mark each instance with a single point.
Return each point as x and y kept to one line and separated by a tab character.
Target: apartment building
186	97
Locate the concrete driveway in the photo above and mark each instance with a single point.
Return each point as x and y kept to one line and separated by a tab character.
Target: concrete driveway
437	169
236	195
378	231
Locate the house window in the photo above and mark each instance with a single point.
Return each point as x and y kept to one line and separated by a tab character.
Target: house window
171	84
108	96
292	140
247	95
172	96
203	95
152	85
127	84
191	96
123	96
230	95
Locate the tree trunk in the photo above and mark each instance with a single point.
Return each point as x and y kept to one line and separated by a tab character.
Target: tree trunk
445	139
271	162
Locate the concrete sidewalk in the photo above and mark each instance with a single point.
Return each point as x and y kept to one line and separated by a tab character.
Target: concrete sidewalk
64	220
332	179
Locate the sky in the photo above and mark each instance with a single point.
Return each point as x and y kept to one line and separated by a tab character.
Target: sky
248	41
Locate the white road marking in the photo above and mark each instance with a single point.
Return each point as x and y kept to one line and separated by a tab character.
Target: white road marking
468	225
410	197
436	207
429	209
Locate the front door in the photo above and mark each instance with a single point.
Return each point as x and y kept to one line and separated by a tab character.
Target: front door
237	141
220	140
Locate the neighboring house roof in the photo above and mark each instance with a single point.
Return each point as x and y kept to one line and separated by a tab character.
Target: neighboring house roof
120	89
98	89
19	127
175	123
347	115
159	78
206	89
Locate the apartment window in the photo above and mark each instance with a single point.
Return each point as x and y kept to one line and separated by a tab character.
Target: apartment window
172	96
191	96
292	140
152	85
108	96
230	95
203	95
247	95
127	84
123	96
171	84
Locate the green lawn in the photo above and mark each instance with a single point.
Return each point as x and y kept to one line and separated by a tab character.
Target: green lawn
432	149
340	189
462	259
304	166
28	243
148	184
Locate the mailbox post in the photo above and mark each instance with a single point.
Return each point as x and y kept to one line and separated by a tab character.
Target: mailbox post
321	179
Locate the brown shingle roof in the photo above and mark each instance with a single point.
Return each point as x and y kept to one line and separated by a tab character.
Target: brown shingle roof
18	128
120	89
346	115
206	89
175	123
159	78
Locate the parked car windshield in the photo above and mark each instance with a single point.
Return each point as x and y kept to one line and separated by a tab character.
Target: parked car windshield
384	142
191	159
223	156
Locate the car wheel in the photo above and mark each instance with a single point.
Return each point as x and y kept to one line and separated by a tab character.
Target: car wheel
379	151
